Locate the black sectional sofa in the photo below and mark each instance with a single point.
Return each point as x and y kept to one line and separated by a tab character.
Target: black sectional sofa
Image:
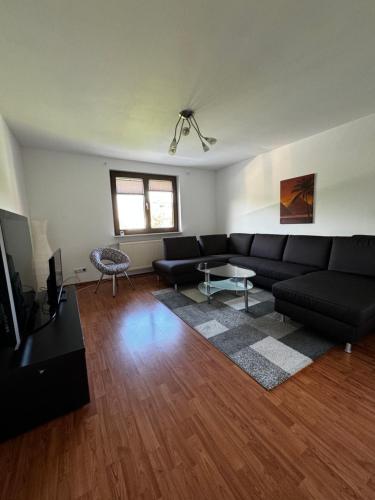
327	283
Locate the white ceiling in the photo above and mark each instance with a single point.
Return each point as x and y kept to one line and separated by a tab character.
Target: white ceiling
110	76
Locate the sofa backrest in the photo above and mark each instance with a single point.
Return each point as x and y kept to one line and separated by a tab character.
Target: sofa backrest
308	250
181	247
355	255
213	244
240	243
268	246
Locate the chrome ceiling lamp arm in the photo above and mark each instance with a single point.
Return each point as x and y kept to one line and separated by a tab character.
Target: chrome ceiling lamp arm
174	143
210	140
204	145
181	129
196	126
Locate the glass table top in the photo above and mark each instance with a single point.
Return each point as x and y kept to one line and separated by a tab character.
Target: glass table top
225	270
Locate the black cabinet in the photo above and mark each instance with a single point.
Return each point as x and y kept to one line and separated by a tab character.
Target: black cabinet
47	377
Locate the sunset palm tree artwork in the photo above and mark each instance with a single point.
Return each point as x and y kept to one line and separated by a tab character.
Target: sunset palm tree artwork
297	200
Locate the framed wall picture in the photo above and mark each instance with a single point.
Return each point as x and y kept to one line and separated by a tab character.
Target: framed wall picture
297	200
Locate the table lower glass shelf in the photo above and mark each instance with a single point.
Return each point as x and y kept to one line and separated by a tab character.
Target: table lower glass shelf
208	288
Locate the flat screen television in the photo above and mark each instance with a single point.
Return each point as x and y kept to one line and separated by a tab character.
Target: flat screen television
23	308
55	280
18	289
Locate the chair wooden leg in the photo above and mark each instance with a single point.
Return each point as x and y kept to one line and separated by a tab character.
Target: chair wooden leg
100	280
114	285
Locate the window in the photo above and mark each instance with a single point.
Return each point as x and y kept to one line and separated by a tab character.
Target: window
143	203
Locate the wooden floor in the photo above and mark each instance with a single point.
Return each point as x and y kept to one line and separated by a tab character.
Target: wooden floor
173	418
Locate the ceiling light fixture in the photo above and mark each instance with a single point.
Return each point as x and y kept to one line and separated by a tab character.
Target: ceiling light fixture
185	121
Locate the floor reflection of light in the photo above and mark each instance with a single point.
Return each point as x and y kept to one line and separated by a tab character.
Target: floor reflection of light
154	326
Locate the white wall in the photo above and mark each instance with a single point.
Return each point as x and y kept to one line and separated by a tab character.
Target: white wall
343	158
72	191
12	186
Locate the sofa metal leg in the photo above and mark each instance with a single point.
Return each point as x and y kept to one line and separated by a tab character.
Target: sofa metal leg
283	318
175	287
348	348
100	280
114	285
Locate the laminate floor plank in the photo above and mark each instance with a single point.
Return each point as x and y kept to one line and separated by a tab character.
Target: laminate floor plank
171	417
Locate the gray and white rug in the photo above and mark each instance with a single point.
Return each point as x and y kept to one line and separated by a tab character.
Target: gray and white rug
266	348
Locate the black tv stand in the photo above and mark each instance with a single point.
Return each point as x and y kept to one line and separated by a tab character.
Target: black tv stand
46	377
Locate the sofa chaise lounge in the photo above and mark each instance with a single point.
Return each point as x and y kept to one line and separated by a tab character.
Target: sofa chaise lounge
326	283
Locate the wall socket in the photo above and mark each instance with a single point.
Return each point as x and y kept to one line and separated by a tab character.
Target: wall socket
78	270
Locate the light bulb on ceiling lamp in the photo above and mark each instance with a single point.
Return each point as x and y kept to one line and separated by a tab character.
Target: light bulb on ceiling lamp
211	140
173	147
186	130
184	123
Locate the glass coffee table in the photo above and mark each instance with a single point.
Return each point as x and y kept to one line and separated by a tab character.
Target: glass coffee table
236	279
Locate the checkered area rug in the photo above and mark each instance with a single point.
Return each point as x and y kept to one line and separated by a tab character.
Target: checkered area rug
269	350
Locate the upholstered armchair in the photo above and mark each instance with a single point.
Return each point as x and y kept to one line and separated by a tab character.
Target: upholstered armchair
112	262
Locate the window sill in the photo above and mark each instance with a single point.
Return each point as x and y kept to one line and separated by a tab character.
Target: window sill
146	234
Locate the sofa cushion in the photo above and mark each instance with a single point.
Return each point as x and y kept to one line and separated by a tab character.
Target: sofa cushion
240	243
179	266
213	244
284	270
354	255
182	247
346	297
253	263
274	269
268	246
309	250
